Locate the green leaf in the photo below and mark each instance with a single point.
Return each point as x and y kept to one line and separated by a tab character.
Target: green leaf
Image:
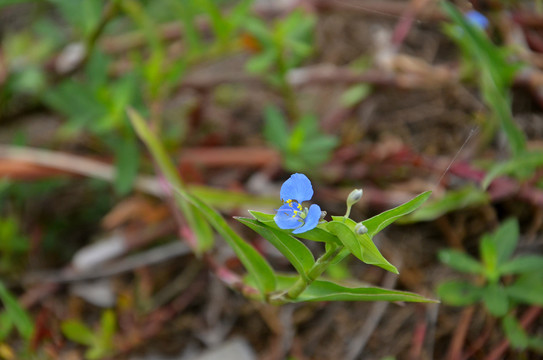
185	10
78	332
522	264
296	252
316	234
452	200
96	70
500	103
379	222
489	256
275	128
240	13
527	289
262	217
6	325
19	317
76	101
259	29
220	26
195	221
262	62
108	324
317	149
360	246
459	293
516	166
514	332
307	146
256	265
460	261
495	299
84	15
322	290
319	234
127	158
203	231
354	95
506	238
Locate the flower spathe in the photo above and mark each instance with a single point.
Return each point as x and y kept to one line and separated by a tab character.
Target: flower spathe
292	215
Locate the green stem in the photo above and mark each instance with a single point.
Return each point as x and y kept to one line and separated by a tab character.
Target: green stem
348	212
305	280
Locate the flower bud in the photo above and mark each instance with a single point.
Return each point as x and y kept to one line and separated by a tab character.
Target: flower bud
354	197
360	229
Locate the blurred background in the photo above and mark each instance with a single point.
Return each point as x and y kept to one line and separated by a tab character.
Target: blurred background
394	97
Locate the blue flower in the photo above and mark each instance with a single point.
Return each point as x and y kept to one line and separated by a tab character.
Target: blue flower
477	19
292	215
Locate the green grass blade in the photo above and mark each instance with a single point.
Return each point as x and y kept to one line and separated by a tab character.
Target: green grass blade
451	201
496	74
197	223
517	165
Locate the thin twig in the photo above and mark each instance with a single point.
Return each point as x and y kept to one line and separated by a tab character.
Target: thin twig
152	256
76	165
459	337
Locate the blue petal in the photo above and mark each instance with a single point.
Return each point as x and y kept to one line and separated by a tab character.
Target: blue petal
284	218
297	187
477	19
311	220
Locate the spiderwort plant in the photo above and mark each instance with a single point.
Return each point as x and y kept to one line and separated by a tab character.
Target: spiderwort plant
342	236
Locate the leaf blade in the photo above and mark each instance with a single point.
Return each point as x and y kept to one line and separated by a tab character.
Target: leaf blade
360	246
379	222
459	293
253	262
323	290
296	252
19	317
460	261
